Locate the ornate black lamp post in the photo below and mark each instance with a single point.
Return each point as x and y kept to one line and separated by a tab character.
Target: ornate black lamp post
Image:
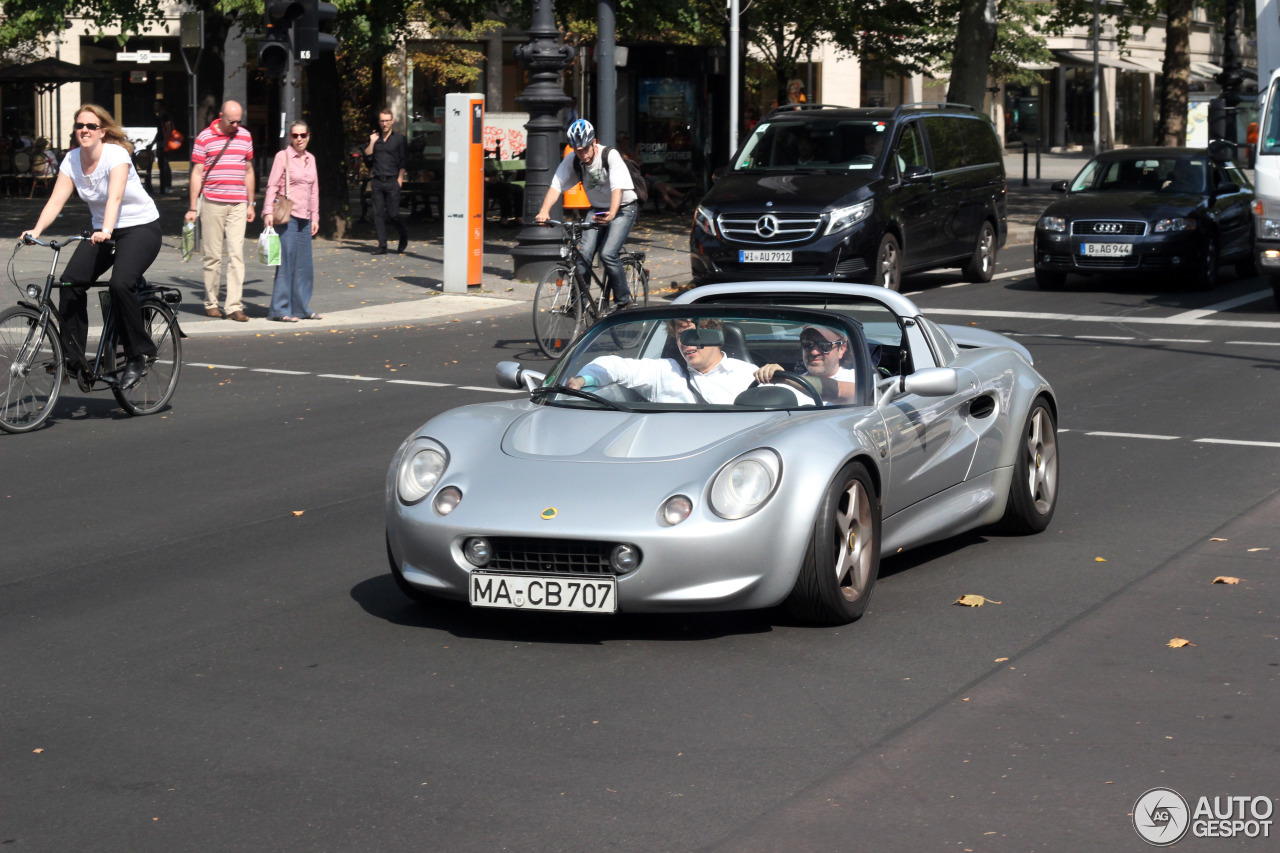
538	248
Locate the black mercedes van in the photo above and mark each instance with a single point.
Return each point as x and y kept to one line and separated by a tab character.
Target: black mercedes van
858	195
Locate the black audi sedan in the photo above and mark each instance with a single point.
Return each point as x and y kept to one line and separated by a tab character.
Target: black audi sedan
1180	212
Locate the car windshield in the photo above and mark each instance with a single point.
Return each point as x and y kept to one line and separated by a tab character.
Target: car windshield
1162	174
820	144
706	358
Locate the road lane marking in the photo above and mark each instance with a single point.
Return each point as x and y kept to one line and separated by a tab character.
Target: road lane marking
354	378
1256	296
218	366
1014	273
1105	337
494	390
1256	343
419	382
1179	340
284	372
1135	435
1177	320
1237	442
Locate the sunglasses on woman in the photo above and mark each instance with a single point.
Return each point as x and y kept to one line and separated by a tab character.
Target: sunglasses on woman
80	125
299	135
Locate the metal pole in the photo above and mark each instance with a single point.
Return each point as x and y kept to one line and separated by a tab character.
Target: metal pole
1097	86
606	73
734	108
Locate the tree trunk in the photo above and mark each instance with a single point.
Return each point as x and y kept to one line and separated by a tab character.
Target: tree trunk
328	145
971	58
1177	73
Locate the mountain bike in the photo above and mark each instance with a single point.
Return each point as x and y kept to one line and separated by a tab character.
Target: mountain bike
33	363
563	306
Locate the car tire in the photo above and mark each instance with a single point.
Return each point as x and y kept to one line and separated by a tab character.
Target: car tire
1033	494
1203	271
1275	288
1246	268
983	263
1046	280
407	588
842	561
888	271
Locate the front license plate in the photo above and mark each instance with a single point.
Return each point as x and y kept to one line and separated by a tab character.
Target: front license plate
544	592
763	256
1106	250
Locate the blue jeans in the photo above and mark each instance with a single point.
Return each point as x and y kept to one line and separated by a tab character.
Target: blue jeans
614	275
295	277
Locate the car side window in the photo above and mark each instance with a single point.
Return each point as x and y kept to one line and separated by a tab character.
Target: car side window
946	141
910	150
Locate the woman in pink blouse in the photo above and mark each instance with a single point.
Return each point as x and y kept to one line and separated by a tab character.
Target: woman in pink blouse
295	277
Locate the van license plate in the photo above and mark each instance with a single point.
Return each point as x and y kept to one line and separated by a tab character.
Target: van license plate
584	594
1106	250
763	256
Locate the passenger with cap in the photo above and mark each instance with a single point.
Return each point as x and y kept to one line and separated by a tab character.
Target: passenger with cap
828	364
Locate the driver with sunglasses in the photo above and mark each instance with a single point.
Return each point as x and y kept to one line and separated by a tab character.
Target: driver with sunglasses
828	364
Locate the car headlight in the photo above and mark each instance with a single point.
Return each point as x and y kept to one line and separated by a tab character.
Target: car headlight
746	483
1177	223
420	469
704	219
846	217
1053	223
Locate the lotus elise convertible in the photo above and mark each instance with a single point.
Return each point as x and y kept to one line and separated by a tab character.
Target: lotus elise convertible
756	446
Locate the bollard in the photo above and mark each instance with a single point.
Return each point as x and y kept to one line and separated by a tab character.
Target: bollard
1025	149
1037	158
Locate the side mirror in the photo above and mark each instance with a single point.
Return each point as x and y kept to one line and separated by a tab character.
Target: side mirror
1225	187
932	382
1058	186
510	374
917	174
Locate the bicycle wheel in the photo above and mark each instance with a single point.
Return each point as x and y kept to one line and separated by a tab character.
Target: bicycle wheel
160	378
557	313
31	358
638	283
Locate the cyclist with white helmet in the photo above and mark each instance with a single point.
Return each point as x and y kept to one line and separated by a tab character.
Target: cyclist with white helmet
611	192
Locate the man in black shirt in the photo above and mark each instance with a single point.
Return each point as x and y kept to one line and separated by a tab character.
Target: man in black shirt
164	130
388	158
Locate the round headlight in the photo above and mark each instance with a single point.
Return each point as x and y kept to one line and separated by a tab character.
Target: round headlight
676	509
420	469
33	291
448	499
624	558
745	484
477	551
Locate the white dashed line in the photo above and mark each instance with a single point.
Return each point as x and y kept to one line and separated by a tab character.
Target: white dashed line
1189	318
1104	338
1135	435
1256	296
419	382
284	372
217	366
494	390
1178	340
353	378
1255	343
1237	442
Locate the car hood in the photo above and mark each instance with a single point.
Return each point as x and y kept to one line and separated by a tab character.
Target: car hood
809	191
574	435
1133	205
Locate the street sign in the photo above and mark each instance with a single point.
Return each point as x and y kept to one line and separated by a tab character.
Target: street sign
142	56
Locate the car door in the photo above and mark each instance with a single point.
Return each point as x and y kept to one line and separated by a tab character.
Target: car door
914	205
1232	212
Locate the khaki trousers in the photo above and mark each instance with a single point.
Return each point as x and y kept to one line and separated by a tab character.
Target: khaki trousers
223	224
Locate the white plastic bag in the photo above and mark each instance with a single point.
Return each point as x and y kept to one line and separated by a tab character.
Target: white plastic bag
269	247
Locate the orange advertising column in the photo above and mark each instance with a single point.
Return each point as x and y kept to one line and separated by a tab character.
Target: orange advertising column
463	191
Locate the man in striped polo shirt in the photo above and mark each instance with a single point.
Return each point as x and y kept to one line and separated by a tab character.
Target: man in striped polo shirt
222	171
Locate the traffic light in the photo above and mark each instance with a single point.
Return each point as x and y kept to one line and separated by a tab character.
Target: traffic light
273	51
1218	124
308	41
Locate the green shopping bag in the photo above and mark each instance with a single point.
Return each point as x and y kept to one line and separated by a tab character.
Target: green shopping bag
188	241
269	247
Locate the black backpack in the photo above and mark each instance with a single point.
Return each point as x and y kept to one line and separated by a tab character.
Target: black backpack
640	185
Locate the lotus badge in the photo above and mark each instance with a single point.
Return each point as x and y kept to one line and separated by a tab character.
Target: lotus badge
549	513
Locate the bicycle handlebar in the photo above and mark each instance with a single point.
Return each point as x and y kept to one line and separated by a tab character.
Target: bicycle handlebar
58	246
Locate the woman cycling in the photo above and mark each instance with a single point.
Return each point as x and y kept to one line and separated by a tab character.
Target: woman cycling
100	169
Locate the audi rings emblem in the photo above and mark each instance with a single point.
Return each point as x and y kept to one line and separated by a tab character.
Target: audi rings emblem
767	225
1107	227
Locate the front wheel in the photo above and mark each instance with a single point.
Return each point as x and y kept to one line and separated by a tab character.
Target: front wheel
982	264
557	311
31	361
1033	494
843	559
1203	272
888	271
160	377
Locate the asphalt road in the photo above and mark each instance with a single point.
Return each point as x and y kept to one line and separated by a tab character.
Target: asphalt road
202	648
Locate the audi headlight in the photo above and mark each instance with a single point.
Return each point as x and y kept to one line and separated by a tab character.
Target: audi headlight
847	217
420	469
705	219
1177	223
1053	223
746	483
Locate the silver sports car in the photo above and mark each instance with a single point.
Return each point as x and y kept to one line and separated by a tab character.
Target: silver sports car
746	447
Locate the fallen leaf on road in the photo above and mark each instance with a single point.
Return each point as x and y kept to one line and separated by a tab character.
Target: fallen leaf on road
1251	550
1225	579
299	511
1001	660
1178	642
974	601
1217	539
1099	559
38	750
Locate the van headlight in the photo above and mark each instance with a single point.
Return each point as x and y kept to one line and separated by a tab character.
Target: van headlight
704	219
746	483
847	217
421	467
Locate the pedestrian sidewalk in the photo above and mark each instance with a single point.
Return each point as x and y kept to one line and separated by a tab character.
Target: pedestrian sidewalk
357	288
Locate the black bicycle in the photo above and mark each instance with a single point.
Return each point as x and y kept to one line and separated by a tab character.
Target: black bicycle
563	307
31	353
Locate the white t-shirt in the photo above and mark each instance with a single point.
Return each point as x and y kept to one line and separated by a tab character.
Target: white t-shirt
598	181
136	208
662	380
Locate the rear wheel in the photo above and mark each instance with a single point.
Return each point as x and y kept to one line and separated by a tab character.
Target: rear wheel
888	272
1046	280
1033	494
638	283
31	361
557	312
160	378
843	559
983	263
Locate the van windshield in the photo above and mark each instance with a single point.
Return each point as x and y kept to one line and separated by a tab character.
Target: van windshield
790	146
1269	138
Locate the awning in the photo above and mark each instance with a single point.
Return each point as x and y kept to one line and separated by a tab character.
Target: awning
1205	71
1079	58
1146	63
